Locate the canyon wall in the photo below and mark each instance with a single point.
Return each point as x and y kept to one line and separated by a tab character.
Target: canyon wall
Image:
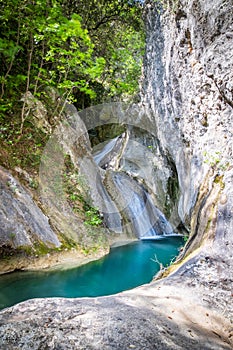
188	90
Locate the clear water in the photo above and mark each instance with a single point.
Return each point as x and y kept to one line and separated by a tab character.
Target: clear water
123	268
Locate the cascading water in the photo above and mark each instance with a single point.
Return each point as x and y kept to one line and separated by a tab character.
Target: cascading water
100	155
146	220
135	204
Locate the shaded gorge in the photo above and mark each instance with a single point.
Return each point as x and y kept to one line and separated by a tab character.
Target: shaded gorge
125	267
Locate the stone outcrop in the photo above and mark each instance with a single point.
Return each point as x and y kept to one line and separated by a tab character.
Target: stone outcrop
26	233
23	224
187	90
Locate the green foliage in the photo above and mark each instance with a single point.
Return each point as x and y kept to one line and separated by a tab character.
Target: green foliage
92	216
77	195
151	148
12	236
24	152
90	51
41	47
212	158
75	47
125	64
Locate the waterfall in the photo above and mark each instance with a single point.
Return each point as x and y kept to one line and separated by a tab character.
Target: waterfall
145	219
100	155
134	203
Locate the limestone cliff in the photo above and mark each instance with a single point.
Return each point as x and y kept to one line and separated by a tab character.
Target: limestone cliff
187	85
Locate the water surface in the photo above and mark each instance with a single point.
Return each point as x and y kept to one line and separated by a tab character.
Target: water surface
123	268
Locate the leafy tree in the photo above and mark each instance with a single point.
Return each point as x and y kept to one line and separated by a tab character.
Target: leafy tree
41	47
116	29
89	50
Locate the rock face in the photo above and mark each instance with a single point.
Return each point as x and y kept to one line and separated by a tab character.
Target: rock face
71	138
142	217
187	90
22	222
25	232
183	66
188	87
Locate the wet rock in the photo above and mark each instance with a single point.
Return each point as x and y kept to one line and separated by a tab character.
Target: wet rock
71	138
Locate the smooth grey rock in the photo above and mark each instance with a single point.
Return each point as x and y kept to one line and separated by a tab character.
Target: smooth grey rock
188	62
22	222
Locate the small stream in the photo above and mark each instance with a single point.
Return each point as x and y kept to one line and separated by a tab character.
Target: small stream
124	268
